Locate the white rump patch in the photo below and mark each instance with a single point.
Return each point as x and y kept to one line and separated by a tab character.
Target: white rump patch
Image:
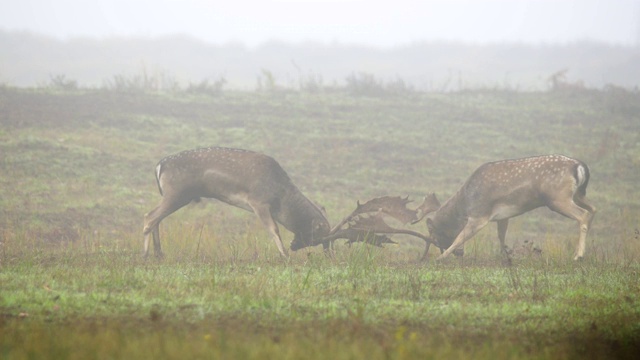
581	176
158	171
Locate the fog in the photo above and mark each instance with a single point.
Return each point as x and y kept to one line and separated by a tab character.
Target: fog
381	23
429	44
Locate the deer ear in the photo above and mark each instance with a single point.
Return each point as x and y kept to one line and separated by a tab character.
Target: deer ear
430	224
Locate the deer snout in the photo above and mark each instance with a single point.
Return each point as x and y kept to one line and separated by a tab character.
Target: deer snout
297	245
311	236
299	242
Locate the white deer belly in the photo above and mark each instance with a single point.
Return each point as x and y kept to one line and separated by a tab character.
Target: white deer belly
224	187
504	211
240	200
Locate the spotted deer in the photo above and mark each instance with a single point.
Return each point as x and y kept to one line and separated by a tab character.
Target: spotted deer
242	178
498	191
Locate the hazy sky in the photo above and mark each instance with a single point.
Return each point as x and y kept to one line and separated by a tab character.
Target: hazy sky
370	22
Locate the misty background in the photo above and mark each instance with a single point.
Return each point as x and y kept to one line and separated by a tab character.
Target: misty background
431	45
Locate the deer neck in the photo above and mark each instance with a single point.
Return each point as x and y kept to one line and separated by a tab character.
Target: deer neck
452	215
297	211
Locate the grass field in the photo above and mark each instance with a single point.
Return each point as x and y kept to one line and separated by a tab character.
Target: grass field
76	177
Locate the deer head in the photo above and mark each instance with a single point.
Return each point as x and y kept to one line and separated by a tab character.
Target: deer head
310	234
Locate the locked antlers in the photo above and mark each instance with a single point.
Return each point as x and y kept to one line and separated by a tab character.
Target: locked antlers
367	222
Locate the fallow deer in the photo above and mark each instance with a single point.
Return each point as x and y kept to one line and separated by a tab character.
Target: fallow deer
498	191
242	178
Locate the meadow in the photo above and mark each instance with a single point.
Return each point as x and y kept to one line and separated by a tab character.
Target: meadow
76	177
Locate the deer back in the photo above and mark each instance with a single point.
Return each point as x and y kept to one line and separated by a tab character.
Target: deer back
512	187
225	174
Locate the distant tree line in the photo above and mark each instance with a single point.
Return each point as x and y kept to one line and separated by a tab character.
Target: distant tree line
184	63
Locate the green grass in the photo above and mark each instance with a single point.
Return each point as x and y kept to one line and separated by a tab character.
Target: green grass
70	302
76	176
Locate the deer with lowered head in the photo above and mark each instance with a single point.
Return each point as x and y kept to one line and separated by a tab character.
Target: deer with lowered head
498	191
242	178
256	182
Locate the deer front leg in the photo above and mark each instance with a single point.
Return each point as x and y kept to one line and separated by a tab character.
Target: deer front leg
327	249
471	228
425	256
264	214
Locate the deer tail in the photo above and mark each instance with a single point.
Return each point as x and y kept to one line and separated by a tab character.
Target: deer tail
158	173
582	178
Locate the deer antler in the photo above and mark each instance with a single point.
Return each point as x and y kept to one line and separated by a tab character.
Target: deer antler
361	226
429	205
359	235
395	207
376	223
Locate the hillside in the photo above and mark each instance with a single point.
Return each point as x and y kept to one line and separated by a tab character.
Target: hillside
74	164
77	175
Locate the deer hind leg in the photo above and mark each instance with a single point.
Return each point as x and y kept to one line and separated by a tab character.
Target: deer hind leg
471	228
152	224
582	202
151	229
502	234
583	213
157	249
264	214
591	211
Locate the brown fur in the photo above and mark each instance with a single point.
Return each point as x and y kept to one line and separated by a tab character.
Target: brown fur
245	179
497	191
